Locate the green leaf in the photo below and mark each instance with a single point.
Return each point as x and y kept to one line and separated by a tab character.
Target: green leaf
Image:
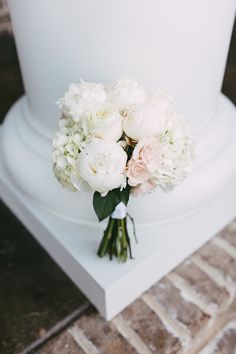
104	206
124	194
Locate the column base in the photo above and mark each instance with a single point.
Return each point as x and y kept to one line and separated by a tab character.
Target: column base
108	285
169	227
27	149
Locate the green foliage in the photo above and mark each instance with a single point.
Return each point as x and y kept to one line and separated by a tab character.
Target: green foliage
104	206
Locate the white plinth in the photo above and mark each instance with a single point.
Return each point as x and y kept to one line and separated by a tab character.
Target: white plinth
180	47
163	245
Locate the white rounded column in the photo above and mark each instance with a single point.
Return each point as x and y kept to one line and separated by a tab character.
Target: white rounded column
180	46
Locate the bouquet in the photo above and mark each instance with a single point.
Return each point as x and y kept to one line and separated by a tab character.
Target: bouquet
116	141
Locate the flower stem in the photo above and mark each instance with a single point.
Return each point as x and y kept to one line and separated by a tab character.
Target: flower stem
116	241
103	247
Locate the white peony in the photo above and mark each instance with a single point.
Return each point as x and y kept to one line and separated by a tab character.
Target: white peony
102	165
80	98
124	93
164	102
103	121
143	121
148	119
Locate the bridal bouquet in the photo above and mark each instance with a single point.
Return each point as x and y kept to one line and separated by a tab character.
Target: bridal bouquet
116	141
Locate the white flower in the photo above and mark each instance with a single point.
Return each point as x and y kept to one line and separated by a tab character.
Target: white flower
148	119
167	157
67	143
103	121
147	151
176	153
164	103
124	93
137	172
87	152
144	120
102	165
80	98
143	188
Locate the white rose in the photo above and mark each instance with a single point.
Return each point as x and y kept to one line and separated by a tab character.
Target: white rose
102	165
81	97
137	172
143	188
125	93
103	122
148	151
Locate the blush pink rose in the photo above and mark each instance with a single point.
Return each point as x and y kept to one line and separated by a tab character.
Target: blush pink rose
147	150
143	188
136	172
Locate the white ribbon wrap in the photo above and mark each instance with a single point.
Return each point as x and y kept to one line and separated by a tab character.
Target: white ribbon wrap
120	211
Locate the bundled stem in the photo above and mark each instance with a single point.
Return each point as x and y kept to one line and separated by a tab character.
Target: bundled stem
116	241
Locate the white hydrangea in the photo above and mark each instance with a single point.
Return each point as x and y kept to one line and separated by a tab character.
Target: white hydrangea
124	93
67	144
81	98
176	153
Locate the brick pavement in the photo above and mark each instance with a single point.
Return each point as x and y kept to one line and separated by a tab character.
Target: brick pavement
192	310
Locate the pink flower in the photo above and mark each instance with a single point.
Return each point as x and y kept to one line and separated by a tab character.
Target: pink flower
137	172
147	150
143	188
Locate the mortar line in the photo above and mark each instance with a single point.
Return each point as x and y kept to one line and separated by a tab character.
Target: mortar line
130	335
216	275
82	340
178	329
226	246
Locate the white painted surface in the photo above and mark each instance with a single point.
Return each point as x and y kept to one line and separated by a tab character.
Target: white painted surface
28	152
180	46
108	285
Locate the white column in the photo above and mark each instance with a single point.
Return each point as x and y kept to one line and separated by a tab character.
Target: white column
180	46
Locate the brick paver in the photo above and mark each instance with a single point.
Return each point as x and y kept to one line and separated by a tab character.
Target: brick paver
223	342
102	334
5	23
219	259
229	234
227	342
205	287
63	344
150	328
178	308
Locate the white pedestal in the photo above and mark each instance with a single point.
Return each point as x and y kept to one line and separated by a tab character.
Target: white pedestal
162	246
180	47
